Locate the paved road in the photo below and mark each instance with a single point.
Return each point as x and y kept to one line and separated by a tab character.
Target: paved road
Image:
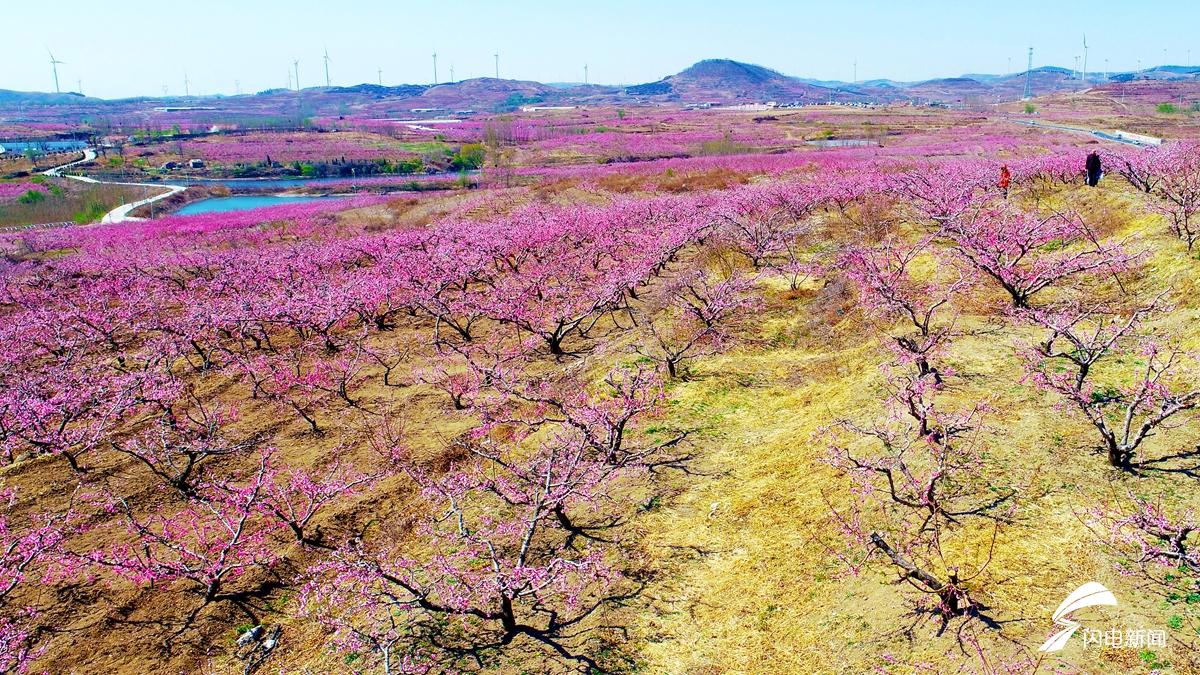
121	213
1080	130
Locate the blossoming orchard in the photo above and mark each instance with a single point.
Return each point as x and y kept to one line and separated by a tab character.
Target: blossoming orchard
610	387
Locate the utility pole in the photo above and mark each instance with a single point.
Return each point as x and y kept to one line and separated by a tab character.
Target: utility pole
296	65
187	91
435	68
1029	76
327	85
1106	69
497	58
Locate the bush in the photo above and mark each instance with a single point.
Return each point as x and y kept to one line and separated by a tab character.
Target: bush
468	157
1167	108
92	211
405	166
32	197
1030	108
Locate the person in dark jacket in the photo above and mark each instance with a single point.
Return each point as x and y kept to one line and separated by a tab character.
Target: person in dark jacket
1094	172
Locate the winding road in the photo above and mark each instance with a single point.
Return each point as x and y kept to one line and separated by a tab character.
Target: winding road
1116	137
121	213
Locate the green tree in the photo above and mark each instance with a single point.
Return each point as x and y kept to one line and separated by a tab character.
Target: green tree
468	157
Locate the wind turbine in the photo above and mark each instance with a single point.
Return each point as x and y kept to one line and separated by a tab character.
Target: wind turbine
186	84
327	67
585	74
452	73
54	63
380	73
1085	60
296	65
497	57
435	67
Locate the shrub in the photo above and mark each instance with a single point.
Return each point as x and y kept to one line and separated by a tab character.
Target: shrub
32	197
468	157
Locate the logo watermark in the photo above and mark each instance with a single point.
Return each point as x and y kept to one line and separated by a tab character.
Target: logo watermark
1093	594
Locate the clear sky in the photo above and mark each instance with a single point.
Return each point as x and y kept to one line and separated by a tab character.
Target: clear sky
133	47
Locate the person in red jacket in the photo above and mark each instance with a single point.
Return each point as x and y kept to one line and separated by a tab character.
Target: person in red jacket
1005	179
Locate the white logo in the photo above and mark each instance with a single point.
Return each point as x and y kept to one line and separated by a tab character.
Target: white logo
1087	595
1092	594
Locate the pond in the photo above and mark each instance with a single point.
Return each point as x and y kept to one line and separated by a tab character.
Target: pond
241	203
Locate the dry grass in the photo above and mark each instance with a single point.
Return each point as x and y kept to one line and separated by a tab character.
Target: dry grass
749	585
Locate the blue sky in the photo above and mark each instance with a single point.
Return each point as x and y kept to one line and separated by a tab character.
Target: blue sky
125	48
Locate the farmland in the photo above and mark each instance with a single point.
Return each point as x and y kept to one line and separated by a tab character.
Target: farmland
614	388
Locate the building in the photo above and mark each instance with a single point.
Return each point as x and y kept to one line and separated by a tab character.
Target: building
40	147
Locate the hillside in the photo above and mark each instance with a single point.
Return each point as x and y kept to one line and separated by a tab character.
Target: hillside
723	80
718	81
